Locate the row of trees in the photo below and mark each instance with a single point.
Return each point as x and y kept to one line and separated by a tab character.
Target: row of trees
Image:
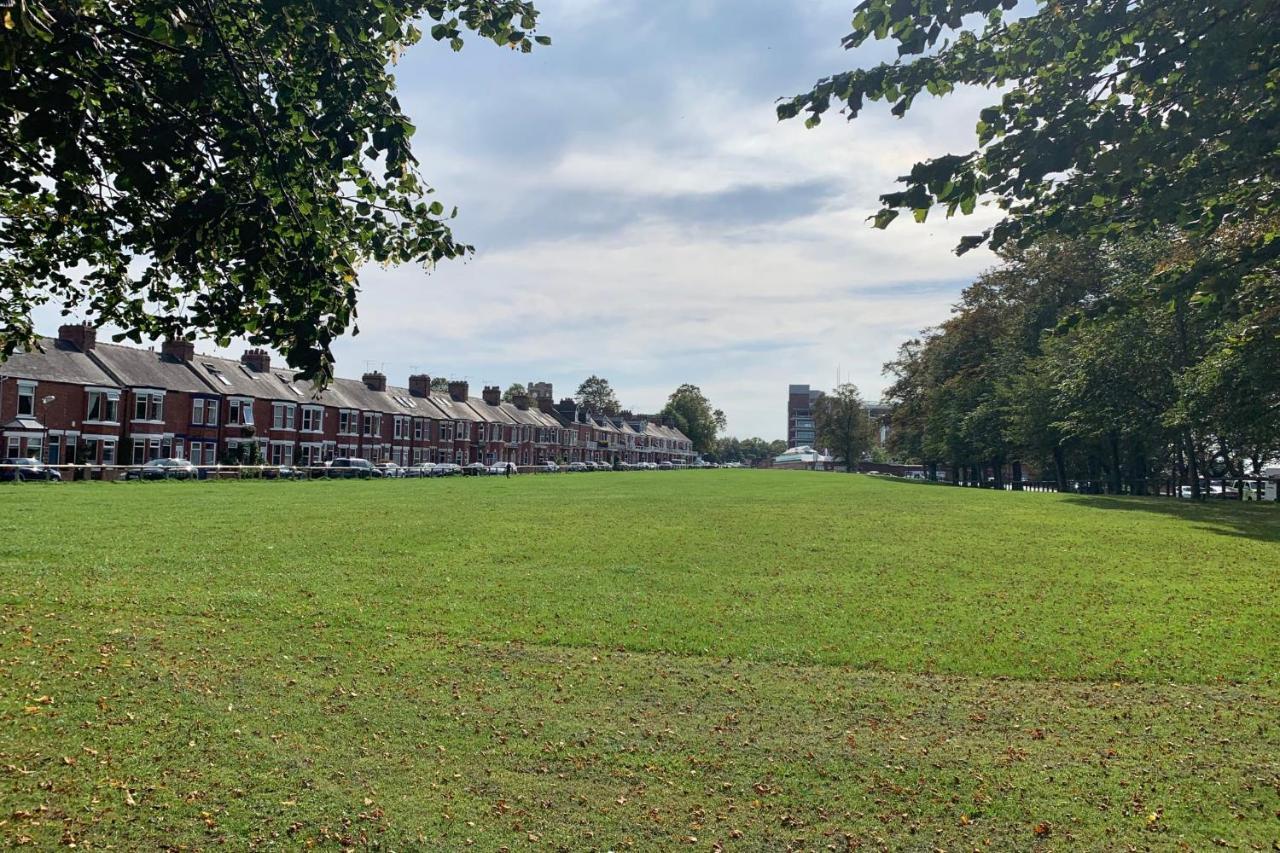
748	451
1074	357
1132	152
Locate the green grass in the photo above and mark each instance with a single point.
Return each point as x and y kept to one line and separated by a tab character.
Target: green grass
756	659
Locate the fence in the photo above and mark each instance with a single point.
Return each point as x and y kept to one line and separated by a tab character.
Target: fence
113	473
1210	488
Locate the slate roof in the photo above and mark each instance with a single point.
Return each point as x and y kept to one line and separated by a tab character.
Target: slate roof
490	414
58	362
145	368
237	380
452	409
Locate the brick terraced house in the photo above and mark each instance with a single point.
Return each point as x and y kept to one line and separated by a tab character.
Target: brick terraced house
74	399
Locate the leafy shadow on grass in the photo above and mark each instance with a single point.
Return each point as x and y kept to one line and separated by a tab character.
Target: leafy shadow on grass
1225	518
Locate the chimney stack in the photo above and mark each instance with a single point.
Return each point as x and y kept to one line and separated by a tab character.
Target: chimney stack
257	360
182	351
520	401
82	336
492	395
547	405
375	381
458	391
420	385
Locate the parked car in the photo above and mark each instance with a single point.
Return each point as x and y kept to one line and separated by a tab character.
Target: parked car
475	469
284	472
578	466
391	469
24	469
351	468
445	469
503	468
422	469
547	468
163	469
665	466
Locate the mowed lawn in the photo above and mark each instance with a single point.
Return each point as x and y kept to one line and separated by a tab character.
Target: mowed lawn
754	660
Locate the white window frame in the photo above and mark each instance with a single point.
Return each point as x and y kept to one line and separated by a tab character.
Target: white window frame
27	391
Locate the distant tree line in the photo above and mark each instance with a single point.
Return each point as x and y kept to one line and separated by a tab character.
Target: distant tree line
1076	358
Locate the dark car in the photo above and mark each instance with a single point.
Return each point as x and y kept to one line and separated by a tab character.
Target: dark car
16	469
283	472
163	469
445	469
354	468
475	469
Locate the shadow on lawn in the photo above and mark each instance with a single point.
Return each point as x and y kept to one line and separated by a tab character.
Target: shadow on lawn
1226	518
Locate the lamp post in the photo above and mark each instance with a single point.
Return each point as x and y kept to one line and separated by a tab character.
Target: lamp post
44	448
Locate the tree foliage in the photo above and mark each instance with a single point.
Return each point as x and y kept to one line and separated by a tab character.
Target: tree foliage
515	389
1071	358
176	167
841	423
596	394
1117	117
695	417
748	451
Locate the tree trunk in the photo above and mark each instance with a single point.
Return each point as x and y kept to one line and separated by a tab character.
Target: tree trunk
1017	476
1060	467
1138	485
1193	470
997	472
1117	482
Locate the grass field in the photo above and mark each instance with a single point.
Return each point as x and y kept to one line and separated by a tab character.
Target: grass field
756	660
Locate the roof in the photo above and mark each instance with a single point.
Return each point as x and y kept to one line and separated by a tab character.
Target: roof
452	409
55	361
235	379
490	414
145	368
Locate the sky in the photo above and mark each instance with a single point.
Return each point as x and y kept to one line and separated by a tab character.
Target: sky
640	214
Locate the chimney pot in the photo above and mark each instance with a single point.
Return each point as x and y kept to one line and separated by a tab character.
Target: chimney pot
80	335
179	350
257	360
420	385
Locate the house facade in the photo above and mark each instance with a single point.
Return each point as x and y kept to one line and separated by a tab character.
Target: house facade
75	399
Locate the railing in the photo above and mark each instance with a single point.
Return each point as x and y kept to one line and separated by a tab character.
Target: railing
93	472
1211	488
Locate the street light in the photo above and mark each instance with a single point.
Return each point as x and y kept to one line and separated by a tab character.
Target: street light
45	401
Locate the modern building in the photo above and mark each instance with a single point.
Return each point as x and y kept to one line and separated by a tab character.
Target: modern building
801	400
73	399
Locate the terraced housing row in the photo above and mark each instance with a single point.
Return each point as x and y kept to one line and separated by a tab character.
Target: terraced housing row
77	400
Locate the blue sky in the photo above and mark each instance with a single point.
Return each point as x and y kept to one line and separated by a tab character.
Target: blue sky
640	214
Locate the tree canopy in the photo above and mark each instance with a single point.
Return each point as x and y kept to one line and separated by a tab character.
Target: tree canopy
596	394
841	423
695	417
1116	117
515	389
182	167
1070	358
